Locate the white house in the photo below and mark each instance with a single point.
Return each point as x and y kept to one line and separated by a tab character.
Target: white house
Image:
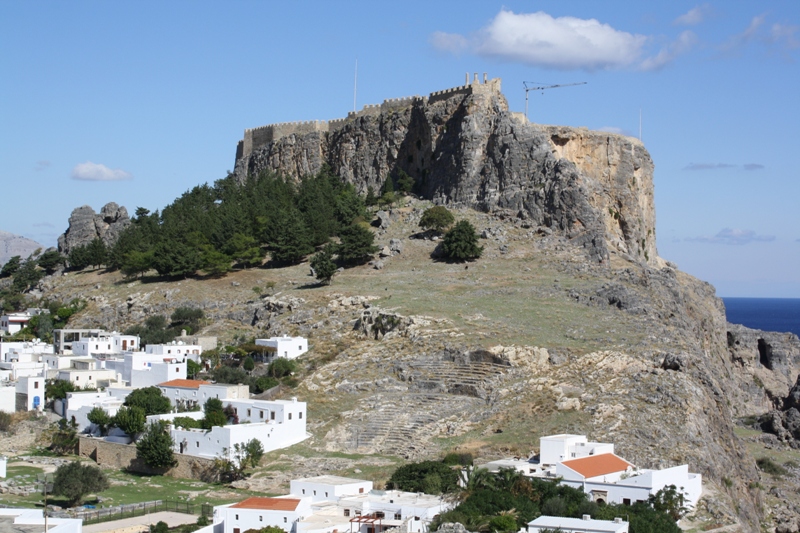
606	478
15	322
28	347
328	488
276	423
556	448
8	397
85	373
77	405
257	513
33	520
64	338
577	525
30	393
176	348
377	511
111	343
286	347
190	393
15	370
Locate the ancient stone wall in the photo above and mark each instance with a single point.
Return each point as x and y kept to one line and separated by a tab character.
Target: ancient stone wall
255	138
123	456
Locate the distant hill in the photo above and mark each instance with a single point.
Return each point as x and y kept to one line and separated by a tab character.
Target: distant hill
11	245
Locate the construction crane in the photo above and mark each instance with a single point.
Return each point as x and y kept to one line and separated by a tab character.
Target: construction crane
542	88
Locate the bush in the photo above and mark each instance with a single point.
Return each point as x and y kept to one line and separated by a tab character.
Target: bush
75	480
436	218
461	243
131	420
155	447
425	476
455	458
150	400
6	421
187	422
768	466
281	367
264	383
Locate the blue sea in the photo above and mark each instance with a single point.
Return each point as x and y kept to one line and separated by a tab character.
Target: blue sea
768	314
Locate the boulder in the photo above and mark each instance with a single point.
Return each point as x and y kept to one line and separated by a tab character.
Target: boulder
85	225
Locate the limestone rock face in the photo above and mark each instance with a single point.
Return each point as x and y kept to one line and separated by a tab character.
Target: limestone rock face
85	225
11	245
467	149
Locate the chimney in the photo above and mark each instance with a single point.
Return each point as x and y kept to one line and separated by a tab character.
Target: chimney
587	517
618	520
475	78
485	78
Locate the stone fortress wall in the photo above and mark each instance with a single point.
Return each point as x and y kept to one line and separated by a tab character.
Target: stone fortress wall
255	138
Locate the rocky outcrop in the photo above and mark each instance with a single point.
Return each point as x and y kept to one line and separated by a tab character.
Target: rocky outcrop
12	245
85	225
466	148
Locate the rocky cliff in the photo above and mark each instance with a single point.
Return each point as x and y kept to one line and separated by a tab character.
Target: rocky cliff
85	225
464	147
11	245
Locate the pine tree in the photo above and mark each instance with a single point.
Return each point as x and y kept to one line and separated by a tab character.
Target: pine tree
461	243
292	239
356	244
323	265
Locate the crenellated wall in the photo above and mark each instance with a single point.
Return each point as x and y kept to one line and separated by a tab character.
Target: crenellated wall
255	138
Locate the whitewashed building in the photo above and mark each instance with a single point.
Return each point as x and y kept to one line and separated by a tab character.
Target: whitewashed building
11	351
328	488
256	513
556	448
12	323
577	525
276	423
106	344
188	394
77	406
286	347
176	349
379	510
22	520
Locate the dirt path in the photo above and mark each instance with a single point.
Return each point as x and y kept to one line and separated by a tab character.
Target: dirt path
139	524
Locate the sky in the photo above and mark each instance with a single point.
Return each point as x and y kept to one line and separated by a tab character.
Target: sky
137	102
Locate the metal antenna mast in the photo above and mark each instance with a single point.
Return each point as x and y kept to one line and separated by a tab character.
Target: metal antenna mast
542	88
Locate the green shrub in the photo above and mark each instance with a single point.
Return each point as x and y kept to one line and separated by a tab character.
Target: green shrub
768	466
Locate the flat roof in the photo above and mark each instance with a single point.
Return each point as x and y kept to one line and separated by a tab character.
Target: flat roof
597	465
331	480
184	383
579	524
268	504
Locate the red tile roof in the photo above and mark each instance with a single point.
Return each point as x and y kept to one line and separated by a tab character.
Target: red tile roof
597	465
268	504
183	383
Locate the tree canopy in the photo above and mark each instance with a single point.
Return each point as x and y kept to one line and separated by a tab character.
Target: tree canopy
75	480
150	400
155	446
461	243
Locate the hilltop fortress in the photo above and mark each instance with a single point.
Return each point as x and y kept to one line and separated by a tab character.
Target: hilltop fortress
255	138
464	147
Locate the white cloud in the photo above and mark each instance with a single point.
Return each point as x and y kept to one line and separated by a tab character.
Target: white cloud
734	236
707	166
740	39
784	35
669	53
566	43
97	172
694	16
449	42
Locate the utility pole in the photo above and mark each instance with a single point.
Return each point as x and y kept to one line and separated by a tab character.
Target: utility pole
542	88
47	486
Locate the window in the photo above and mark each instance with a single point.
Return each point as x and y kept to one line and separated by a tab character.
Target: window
260	518
290	416
300	415
398	516
248	412
198	445
299	348
347	512
90	378
284	519
237	517
272	415
361	490
236	529
261	414
315	493
304	491
358	513
286	354
379	514
326	494
626	501
35	384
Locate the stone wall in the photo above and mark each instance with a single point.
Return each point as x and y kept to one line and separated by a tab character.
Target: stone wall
123	456
255	138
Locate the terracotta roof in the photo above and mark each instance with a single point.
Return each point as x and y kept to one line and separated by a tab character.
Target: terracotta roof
184	383
268	504
597	465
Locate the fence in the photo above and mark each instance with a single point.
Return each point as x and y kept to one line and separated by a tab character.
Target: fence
94	516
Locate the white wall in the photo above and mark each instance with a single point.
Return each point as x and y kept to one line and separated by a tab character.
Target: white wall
286	347
186	396
8	398
87	378
33	386
80	404
244	519
554	448
192	351
319	490
157	372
